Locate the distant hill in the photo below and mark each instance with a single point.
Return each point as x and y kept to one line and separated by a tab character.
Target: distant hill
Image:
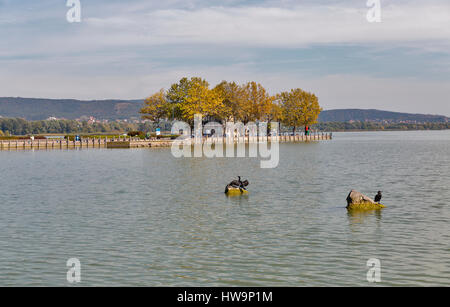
40	109
348	115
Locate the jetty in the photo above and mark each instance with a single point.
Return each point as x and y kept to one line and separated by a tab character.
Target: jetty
133	142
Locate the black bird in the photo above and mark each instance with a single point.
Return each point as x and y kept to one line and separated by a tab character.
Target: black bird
378	197
237	184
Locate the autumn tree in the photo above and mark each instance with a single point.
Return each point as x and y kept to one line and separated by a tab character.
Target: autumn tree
156	107
257	103
230	101
202	100
275	111
233	99
299	108
193	96
178	93
275	114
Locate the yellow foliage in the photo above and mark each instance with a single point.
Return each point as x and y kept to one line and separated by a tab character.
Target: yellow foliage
229	101
233	100
299	108
257	103
200	99
156	107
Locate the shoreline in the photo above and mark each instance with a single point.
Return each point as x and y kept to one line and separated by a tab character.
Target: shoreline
388	130
151	143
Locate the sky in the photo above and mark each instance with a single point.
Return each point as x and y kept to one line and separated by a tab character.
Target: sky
130	49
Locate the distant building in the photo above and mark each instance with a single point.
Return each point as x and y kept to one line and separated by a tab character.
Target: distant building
89	119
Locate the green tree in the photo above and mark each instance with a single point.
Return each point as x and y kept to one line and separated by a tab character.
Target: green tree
178	93
156	107
193	96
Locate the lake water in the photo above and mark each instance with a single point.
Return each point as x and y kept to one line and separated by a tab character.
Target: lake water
140	217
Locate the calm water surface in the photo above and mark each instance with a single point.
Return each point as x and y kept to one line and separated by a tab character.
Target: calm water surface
141	217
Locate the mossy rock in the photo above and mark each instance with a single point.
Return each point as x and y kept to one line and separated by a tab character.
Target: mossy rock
235	192
359	201
365	206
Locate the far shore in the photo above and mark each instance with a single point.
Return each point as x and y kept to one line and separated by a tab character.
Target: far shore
390	130
167	134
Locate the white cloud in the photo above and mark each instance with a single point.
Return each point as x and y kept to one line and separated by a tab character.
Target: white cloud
281	27
103	56
418	24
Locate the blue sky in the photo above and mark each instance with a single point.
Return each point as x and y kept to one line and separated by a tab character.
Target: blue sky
129	49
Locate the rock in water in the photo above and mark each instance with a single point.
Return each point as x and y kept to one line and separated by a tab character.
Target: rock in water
357	200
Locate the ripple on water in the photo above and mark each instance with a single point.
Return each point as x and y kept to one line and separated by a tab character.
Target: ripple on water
141	217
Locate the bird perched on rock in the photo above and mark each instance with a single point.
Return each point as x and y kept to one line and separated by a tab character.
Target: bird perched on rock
378	197
237	184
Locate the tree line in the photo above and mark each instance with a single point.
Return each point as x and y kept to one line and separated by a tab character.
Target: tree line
19	126
229	101
376	126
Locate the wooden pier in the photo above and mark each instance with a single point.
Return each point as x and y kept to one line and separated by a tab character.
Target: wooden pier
51	144
138	143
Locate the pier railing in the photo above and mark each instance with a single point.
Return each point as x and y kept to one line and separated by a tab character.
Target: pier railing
131	142
59	143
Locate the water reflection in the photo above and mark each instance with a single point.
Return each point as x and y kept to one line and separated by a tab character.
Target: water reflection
142	217
237	199
356	217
